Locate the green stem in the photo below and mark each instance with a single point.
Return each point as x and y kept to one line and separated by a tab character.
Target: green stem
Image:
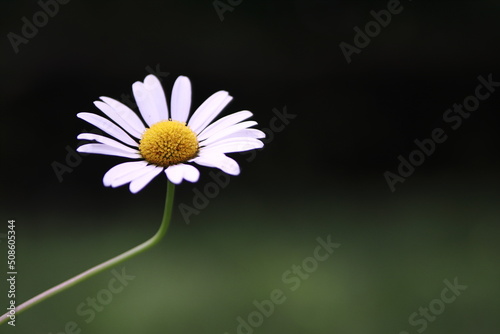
167	215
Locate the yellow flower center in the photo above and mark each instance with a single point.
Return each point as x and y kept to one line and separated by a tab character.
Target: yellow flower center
167	143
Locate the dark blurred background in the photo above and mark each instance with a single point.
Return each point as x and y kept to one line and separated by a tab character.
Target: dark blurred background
321	174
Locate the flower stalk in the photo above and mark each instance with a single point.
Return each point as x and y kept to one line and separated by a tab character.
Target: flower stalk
167	215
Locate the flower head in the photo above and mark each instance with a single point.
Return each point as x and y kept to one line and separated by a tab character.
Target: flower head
168	141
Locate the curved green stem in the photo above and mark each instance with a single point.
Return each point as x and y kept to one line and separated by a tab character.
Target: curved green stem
167	214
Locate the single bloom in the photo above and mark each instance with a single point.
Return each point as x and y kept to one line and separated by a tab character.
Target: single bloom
166	140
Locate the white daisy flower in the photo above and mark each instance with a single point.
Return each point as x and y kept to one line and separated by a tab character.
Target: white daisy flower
170	142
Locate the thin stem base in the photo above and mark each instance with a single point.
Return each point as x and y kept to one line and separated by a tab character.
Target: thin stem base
167	215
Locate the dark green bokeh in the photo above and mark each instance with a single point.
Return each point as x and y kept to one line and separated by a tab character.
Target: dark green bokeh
393	258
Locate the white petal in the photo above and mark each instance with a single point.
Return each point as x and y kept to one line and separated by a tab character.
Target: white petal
209	110
134	174
227	131
140	182
250	133
107	150
175	173
191	173
219	160
105	140
229	145
223	123
180	102
121	170
107	126
122	115
151	100
244	133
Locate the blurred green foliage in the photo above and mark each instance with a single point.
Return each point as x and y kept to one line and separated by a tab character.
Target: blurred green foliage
395	253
